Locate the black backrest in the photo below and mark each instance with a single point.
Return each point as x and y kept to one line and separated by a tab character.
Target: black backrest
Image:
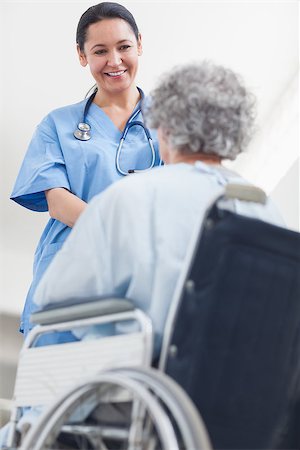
236	342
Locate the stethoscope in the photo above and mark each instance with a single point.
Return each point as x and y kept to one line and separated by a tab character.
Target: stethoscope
83	133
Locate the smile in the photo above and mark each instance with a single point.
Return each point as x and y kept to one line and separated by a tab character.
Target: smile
115	74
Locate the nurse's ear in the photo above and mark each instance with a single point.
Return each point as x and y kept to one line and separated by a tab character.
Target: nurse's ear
82	57
139	45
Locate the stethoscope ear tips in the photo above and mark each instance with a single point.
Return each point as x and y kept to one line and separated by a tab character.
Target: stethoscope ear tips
83	132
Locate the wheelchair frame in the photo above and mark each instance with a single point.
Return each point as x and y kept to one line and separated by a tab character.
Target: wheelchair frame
39	363
152	391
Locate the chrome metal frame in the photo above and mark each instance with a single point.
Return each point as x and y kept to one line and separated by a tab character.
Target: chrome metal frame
137	315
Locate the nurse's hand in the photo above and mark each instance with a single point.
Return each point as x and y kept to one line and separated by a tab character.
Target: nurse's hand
64	206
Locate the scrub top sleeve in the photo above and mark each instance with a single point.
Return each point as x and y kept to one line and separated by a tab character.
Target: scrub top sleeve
43	168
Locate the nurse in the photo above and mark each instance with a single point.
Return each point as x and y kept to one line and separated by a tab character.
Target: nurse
62	170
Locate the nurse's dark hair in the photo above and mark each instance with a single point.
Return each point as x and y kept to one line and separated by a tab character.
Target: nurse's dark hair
105	10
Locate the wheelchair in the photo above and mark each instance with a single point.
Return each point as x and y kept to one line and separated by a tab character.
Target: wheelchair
229	368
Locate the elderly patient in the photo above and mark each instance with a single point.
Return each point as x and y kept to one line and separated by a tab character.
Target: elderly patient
132	239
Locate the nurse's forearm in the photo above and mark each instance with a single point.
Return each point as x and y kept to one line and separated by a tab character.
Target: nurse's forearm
64	206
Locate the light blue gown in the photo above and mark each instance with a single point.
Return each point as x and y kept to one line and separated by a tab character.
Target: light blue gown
139	247
56	159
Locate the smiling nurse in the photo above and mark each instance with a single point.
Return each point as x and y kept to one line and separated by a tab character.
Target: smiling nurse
78	150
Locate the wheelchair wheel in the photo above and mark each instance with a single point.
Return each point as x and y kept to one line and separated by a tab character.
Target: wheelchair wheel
143	421
144	427
190	430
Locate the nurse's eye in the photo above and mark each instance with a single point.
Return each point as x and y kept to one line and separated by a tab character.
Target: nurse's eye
100	52
125	47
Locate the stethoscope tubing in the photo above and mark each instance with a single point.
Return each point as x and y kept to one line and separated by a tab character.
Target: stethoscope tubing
150	142
88	104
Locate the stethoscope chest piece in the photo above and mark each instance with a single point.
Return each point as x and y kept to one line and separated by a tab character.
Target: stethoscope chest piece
83	132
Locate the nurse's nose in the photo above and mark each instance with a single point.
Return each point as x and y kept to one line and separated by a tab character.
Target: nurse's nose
114	59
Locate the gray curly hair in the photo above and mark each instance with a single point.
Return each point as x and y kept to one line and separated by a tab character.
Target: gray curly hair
203	108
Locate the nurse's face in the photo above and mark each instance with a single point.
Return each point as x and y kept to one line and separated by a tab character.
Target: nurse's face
111	50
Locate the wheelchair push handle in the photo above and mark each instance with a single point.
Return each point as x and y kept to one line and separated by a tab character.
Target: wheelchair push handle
245	192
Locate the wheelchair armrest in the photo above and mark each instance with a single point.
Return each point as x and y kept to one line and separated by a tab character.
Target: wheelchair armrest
70	310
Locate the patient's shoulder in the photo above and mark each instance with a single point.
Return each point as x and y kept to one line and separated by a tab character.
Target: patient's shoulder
140	182
137	187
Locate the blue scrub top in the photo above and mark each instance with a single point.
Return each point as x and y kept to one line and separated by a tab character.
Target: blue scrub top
55	158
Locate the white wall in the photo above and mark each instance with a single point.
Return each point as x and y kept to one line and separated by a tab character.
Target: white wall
286	196
40	72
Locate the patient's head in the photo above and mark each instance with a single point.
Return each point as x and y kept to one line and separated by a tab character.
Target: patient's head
202	109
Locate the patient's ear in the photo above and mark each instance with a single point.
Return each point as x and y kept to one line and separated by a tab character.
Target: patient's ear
164	147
